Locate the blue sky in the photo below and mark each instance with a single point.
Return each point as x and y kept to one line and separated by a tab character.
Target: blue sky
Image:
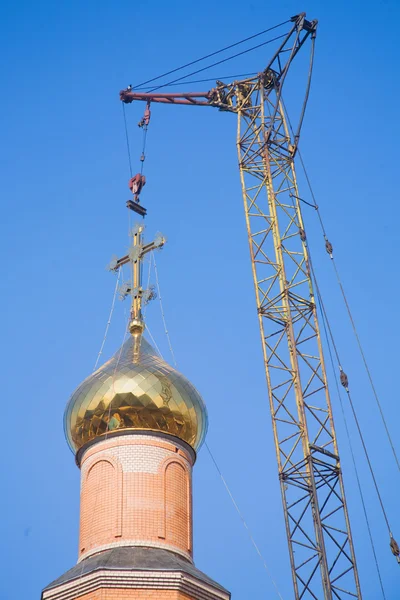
64	186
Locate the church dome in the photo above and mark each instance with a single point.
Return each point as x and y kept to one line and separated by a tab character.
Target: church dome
145	395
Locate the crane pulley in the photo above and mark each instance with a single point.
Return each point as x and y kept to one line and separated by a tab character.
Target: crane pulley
316	516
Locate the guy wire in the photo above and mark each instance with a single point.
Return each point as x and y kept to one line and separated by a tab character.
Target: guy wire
109	321
349	397
193	62
217	467
361	349
351	450
220	62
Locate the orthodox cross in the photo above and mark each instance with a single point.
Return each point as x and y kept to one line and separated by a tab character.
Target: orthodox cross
137	251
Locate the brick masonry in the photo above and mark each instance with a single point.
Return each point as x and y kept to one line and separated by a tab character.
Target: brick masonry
136	490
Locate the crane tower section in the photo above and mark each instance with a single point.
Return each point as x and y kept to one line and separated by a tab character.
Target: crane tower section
317	523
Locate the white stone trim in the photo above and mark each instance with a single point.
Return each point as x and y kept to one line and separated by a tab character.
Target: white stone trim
148	580
117	442
134	458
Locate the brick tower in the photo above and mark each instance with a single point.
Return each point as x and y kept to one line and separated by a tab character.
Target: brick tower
135	425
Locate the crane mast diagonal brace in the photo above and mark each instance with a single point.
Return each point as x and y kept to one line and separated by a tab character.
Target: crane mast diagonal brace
317	524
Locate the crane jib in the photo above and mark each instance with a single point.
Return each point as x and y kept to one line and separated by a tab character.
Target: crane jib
316	517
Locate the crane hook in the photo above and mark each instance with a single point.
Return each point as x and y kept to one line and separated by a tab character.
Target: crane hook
144	122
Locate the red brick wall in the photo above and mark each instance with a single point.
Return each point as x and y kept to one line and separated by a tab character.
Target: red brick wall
177	494
99	510
136	489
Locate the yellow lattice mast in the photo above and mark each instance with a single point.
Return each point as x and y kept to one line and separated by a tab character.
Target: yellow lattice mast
317	523
310	476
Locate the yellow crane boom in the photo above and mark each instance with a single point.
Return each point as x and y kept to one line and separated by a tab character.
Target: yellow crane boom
317	523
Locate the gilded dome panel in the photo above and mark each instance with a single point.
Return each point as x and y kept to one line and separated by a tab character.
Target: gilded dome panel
148	394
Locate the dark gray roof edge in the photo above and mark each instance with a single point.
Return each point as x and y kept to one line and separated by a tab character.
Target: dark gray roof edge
141	558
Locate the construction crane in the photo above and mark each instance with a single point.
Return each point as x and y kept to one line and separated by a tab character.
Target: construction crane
317	522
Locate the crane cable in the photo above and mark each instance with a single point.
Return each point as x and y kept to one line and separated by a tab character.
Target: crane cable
175	364
126	330
193	62
146	305
343	377
127	139
257	549
329	249
143	155
93	512
339	395
162	311
109	320
213	79
219	62
345	383
144	124
119	276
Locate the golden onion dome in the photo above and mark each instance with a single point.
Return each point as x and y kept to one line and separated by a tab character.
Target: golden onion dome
147	394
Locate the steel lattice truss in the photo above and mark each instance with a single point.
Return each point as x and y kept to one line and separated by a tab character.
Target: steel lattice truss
316	516
317	524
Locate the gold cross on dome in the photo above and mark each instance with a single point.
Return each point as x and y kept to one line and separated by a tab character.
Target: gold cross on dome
137	252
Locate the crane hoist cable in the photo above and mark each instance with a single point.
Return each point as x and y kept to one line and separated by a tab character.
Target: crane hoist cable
194	62
144	124
339	395
137	182
329	249
127	139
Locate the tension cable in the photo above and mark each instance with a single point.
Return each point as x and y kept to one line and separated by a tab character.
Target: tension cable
364	507
210	453
194	62
329	249
345	383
